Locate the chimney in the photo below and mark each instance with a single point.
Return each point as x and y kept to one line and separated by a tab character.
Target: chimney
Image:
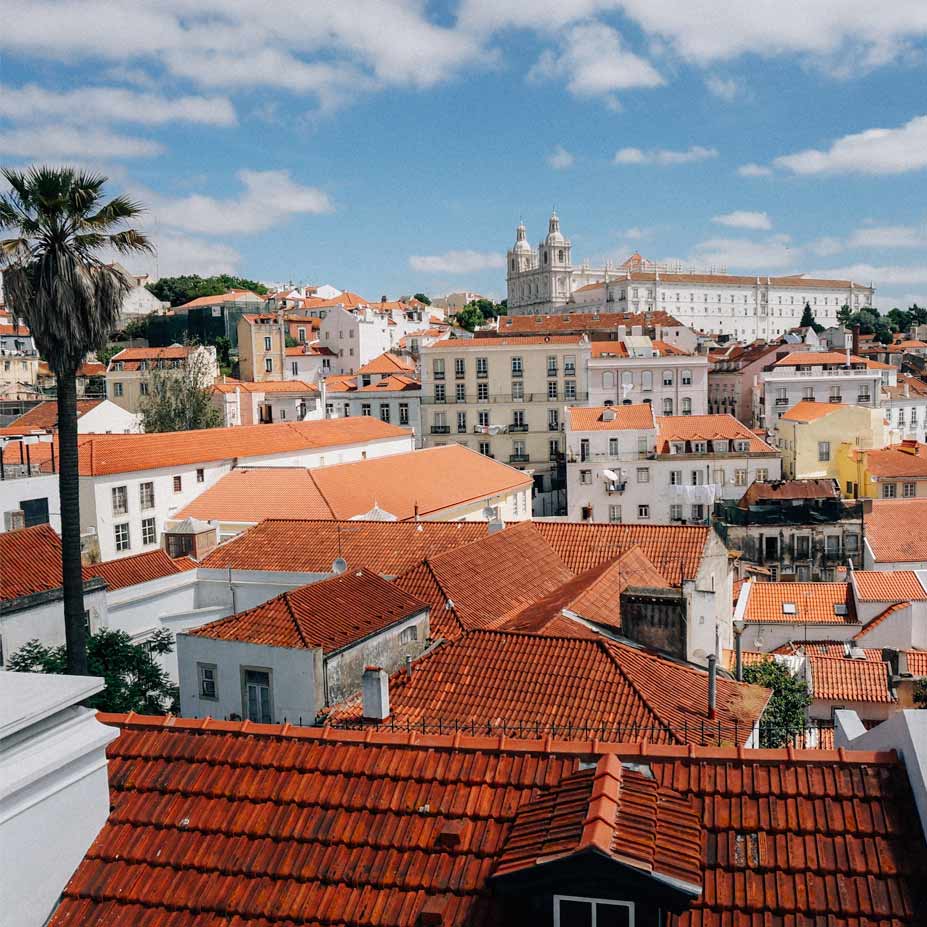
856	340
375	694
712	685
409	665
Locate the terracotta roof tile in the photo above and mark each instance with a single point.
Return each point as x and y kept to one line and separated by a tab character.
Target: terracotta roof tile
346	300
30	561
895	530
480	343
387	363
831	358
230	385
811	603
893	462
584	321
44	416
888	586
399	484
673	549
230	296
237	823
917	662
530	682
848	680
104	454
611	418
787	491
331	614
797	281
132	358
835	649
808	411
306	546
141	568
706	428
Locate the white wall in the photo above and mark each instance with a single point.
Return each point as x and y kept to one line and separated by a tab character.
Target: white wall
14	491
108	418
645	377
354	402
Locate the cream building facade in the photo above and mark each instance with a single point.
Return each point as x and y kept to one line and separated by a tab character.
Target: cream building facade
544	279
262	347
129	374
504	397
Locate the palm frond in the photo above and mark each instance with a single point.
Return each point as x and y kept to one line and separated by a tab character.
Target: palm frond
131	241
118	209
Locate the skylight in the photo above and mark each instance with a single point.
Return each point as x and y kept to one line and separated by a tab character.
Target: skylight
788	608
840	609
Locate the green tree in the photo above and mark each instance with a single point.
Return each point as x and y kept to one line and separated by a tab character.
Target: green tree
223	351
784	717
808	321
57	282
108	352
844	315
134	679
136	328
920	693
180	399
290	342
180	290
422	298
470	317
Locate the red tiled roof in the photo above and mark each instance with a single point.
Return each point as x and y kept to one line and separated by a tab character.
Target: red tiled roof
831	358
44	416
706	428
142	568
797	281
835	649
619	813
613	418
888	586
516	342
104	454
229	385
620	349
331	614
231	296
893	462
672	549
238	823
788	490
30	561
917	662
584	321
387	363
540	682
400	484
306	546
814	603
347	300
895	530
132	358
808	411
848	680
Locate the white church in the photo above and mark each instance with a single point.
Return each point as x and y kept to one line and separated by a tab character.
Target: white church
543	280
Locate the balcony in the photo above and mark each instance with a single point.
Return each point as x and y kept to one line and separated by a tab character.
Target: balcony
519	458
441	400
781	403
553	426
551	371
613	488
864	397
515	426
569	370
438	375
517	374
440	429
836	399
482	374
460	374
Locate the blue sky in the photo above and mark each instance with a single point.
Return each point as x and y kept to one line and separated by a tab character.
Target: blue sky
393	147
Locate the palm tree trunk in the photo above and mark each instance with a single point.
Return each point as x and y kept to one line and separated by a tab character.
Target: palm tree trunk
75	630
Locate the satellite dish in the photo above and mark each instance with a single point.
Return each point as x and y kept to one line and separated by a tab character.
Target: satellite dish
611	476
339	565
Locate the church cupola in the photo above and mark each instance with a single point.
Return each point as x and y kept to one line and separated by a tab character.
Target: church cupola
521	240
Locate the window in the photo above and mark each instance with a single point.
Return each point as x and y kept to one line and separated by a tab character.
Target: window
257	696
699	447
551	389
517	368
647	380
667	377
365	408
460	369
178	484
209	678
643	511
460	392
612	447
553	420
832	543
408	635
301	334
909	490
518	390
267	343
698	512
675	477
120	500
143	389
553	449
518	420
823	450
686	377
718	477
403	413
667	406
643	474
482	367
347	410
569	389
201	473
440	395
294	368
585	477
384	412
762	475
614	513
551	365
482	392
146	495
675	512
268	365
117	388
484	449
149	533
740	477
686	406
697	478
438	368
889	490
121	535
483	418
461	422
851	543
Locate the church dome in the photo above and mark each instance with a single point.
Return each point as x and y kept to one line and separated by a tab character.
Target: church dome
554	235
521	240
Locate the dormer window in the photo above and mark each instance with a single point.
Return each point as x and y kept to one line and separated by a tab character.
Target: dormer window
576	911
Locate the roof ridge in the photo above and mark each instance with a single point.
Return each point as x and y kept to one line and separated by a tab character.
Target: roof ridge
296	623
499	742
322	495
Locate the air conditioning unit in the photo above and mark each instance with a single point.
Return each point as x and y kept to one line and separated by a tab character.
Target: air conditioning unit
14	520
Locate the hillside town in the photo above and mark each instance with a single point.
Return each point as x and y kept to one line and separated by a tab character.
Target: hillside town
369	557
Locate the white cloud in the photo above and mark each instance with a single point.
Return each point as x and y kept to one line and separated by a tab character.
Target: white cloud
739	253
880	275
826	246
742	219
457	262
176	253
32	103
754	170
560	159
664	156
55	142
268	197
724	88
889	236
875	151
595	62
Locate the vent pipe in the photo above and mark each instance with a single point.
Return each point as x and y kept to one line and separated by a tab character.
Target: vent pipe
712	685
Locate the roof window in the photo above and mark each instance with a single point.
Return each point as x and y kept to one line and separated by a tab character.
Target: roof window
840	609
788	608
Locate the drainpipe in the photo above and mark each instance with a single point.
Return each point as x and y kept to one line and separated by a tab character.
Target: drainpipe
712	685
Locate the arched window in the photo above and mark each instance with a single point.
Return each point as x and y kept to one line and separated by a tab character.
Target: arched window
608	380
513	263
647	379
560	255
667	406
545	257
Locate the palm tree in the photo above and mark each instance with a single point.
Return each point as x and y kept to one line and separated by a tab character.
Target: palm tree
58	284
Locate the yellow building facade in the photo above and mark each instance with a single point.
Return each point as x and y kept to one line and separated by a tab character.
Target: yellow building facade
896	472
